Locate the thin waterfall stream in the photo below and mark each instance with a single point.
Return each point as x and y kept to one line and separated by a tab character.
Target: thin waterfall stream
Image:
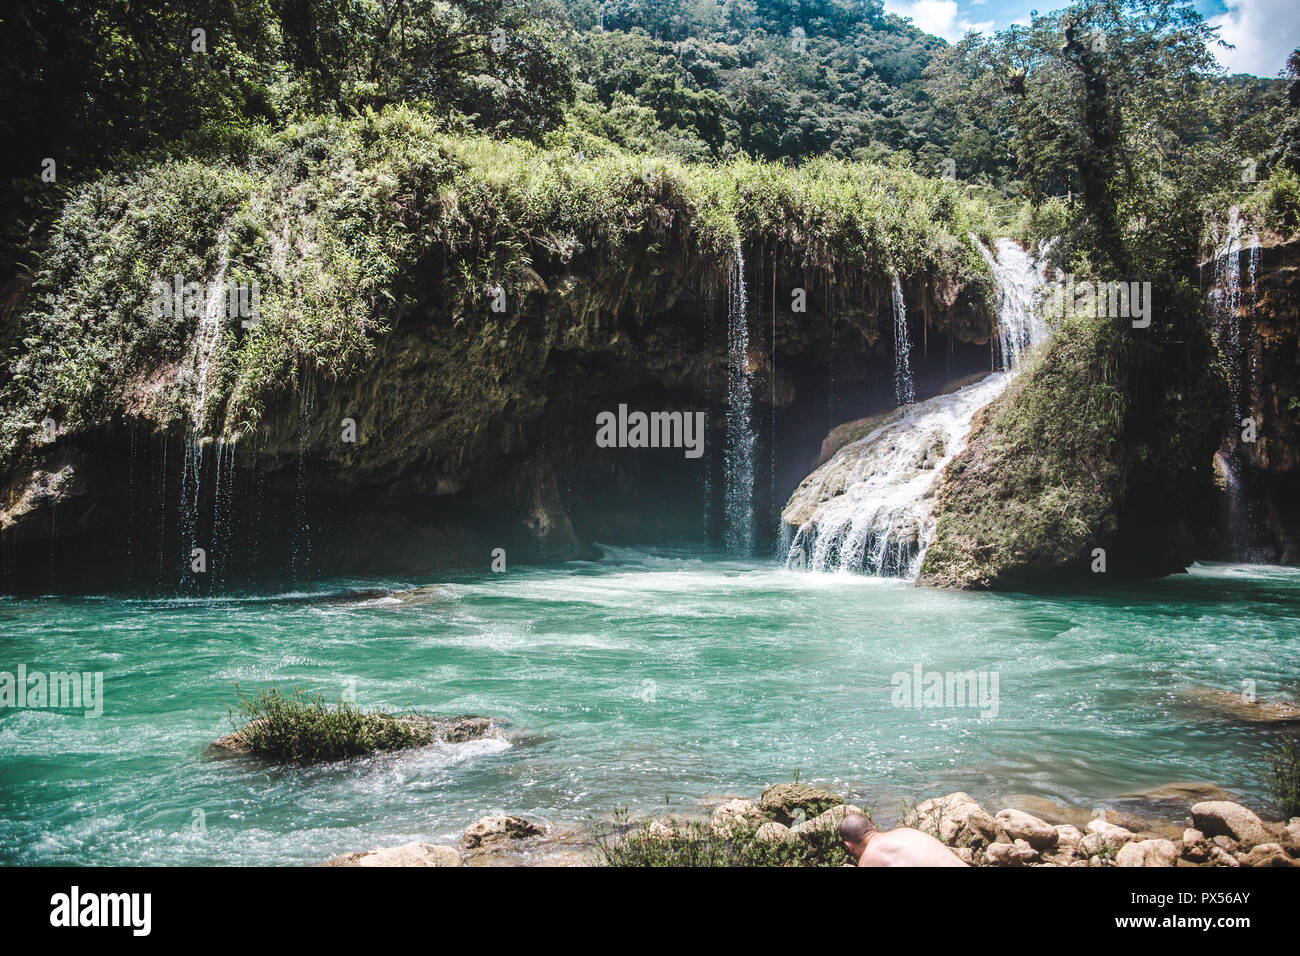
738	527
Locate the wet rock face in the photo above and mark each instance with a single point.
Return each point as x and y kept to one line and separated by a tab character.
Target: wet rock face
471	432
1259	508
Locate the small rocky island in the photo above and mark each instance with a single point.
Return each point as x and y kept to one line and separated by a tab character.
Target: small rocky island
298	727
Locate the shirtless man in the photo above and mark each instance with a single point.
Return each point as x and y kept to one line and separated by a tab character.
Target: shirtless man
901	847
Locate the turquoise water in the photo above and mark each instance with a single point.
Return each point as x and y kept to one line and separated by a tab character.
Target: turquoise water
756	673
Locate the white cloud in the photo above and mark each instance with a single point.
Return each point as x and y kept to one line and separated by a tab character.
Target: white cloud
939	17
1264	32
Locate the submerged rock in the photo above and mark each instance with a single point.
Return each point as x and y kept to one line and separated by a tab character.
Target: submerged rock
429	594
1237	706
495	829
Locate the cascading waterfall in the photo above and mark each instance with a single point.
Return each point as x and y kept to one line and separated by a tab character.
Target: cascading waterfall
1020	326
870	507
1232	315
738	462
205	345
1226	306
904	385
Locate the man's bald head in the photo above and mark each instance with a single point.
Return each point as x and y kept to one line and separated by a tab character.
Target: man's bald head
855	827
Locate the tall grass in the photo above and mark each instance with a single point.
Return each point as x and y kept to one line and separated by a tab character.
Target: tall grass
308	728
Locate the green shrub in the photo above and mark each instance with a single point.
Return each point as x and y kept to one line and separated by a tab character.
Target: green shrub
694	843
302	727
347	224
1283	776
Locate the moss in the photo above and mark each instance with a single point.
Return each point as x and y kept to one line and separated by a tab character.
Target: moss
346	225
1104	441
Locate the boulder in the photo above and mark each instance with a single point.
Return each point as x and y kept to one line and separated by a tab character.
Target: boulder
1068	835
735	816
1112	832
1065	855
1266	854
1224	818
1001	854
1024	826
831	819
1148	853
1195	847
956	820
496	829
1026	851
772	832
781	800
1104	839
1221	857
658	830
1018	853
408	854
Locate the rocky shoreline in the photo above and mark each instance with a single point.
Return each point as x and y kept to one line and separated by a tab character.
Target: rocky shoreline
1216	832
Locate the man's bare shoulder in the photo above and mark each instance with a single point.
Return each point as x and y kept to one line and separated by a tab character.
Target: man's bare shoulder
907	847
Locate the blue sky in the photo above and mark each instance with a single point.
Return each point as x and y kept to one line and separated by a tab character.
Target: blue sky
1263	32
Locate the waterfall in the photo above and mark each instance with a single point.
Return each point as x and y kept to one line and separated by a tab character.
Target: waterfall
1232	316
1226	307
870	507
1020	326
904	386
191	482
206	337
738	463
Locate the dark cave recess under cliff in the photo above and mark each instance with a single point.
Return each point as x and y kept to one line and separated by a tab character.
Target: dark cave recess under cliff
123	506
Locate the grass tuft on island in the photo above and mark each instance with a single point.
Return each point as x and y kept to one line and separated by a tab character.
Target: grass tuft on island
303	727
